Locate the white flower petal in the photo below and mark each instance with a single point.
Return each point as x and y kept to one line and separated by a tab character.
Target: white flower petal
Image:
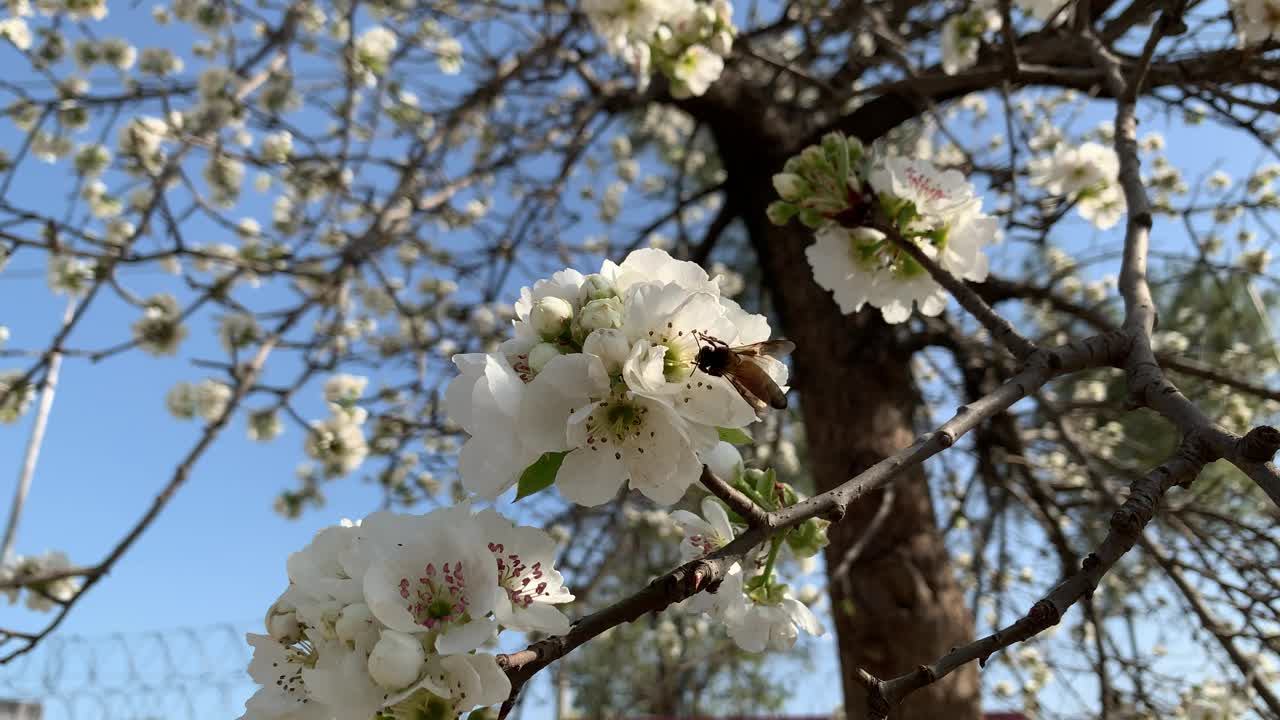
590	477
465	638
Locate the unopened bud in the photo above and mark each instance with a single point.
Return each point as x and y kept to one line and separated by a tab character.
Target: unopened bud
352	621
601	314
596	287
724	460
397	660
282	624
541	354
551	316
790	187
722	43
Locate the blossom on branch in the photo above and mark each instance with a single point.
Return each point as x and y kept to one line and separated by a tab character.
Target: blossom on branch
962	37
684	40
600	385
382	618
1087	175
851	204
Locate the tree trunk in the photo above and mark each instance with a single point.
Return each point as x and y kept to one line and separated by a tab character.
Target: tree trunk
900	605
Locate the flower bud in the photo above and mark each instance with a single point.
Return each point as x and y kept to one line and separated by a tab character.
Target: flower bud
601	314
541	354
397	660
808	538
724	460
722	43
790	187
780	213
551	316
282	623
264	425
352	621
482	320
596	287
611	346
809	594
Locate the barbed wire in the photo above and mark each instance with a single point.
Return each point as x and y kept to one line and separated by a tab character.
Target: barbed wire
187	673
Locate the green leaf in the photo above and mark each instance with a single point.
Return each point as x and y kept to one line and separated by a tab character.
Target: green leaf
764	485
734	436
540	475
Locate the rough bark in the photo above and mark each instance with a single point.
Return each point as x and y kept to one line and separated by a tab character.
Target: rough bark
857	395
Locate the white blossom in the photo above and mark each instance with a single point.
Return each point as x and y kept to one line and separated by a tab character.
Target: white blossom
69	275
211	399
277	146
613	436
15	30
861	266
695	70
485	400
1086	174
278	668
437	576
703	536
603	369
773	626
373	49
237	330
962	37
338	441
15	397
160	331
530	586
345	390
1257	21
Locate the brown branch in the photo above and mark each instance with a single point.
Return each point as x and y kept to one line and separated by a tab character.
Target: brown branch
707	572
755	515
1125	530
244	382
1208	622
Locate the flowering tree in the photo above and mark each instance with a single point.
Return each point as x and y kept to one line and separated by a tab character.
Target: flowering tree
840	169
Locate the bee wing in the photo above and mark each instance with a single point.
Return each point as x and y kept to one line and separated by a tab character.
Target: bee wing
769	348
760	406
751	373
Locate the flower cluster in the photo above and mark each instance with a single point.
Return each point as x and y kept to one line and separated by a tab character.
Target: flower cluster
160	331
962	36
852	201
685	40
44	590
1257	21
384	619
15	396
755	607
207	399
338	441
1086	175
601	384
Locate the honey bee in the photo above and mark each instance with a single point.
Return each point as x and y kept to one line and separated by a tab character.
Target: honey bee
744	368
